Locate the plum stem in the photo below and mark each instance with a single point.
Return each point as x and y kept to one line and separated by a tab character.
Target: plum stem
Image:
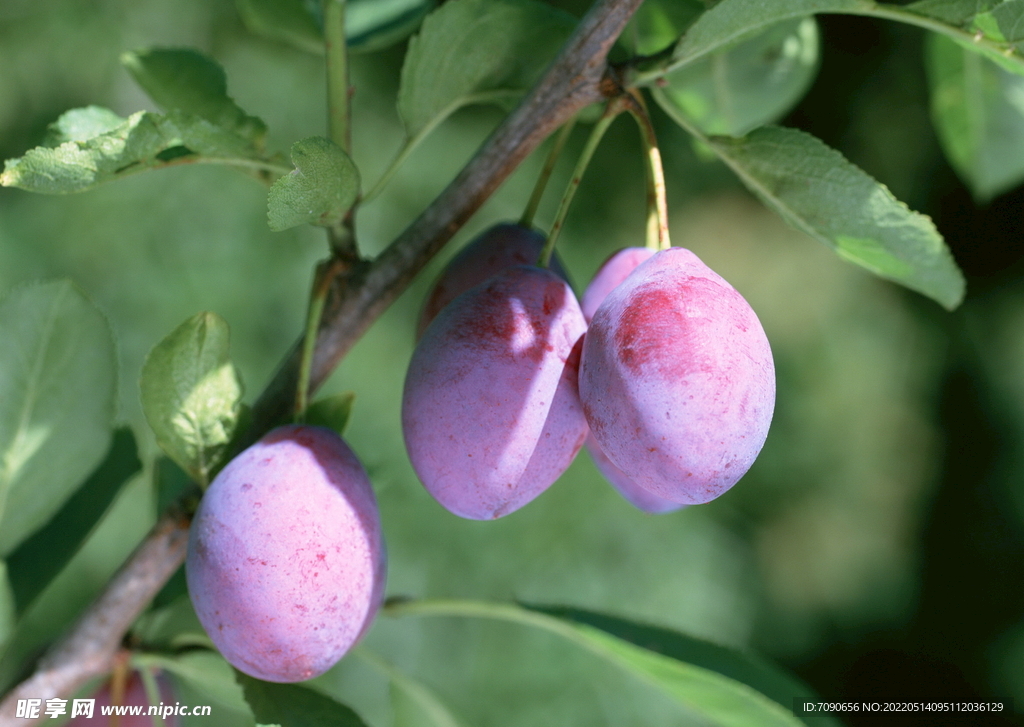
339	119
545	174
657	205
616	106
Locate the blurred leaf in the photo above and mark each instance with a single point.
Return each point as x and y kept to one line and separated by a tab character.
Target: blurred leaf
751	84
331	411
319	191
816	190
411	694
292	21
476	51
191	394
35	562
204	671
172	627
170	482
81	125
185	80
8	608
954	12
370	25
731	21
750	669
141	142
295	706
58	372
375	24
719	699
978	111
657	24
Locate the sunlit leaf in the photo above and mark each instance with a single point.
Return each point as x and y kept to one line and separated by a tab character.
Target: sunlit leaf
191	394
57	386
818	191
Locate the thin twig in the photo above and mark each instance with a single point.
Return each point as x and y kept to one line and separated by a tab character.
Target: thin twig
573	81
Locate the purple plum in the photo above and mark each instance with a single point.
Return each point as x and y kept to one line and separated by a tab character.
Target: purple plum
503	246
677	379
491	411
286	561
608	277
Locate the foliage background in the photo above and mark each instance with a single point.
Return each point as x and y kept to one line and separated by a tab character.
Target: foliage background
876	547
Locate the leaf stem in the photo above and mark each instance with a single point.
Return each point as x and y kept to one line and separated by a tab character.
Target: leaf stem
324	276
657	205
545	174
338	110
615	107
410	144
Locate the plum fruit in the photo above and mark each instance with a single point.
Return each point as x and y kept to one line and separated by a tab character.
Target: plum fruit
286	561
491	411
677	379
609	276
501	246
134	696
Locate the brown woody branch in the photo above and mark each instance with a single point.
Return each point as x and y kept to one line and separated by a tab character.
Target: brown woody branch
578	77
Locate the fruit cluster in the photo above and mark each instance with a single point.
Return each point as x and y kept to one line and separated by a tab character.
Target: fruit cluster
664	372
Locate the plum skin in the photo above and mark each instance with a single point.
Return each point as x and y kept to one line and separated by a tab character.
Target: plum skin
286	563
501	246
608	277
490	411
677	379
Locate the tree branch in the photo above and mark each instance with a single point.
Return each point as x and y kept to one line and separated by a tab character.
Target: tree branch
575	79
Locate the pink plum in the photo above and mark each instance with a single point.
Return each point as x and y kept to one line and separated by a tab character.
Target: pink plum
491	411
503	246
286	561
677	379
134	696
609	276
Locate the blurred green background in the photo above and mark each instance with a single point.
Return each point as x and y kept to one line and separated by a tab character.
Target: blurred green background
876	547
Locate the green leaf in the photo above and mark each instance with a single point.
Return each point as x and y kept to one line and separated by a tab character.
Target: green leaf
141	142
319	191
331	411
204	671
746	668
816	190
476	51
8	609
185	80
173	627
81	125
753	83
410	695
370	25
292	21
732	21
657	24
191	394
295	706
35	562
58	372
978	111
954	12
719	699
